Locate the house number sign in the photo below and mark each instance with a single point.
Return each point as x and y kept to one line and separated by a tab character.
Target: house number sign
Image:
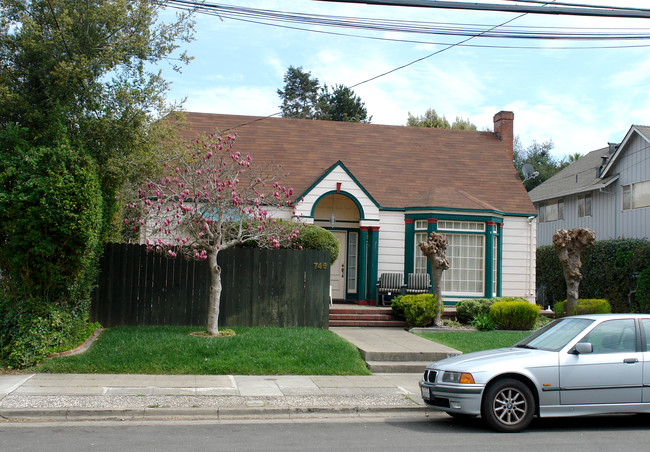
320	265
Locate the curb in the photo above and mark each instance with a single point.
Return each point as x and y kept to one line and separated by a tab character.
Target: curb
82	348
134	414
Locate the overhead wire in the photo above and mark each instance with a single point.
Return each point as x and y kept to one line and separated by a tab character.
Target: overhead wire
470	31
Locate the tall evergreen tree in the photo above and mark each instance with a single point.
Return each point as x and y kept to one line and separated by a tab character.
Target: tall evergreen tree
300	94
303	97
342	104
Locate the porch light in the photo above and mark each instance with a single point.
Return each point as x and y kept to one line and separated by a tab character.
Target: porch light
332	219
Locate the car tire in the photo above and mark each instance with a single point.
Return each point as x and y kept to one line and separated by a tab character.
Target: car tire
508	406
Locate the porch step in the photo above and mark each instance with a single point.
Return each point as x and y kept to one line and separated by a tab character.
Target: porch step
368	323
397	367
362	316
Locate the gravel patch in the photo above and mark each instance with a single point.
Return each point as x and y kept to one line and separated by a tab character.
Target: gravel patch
121	402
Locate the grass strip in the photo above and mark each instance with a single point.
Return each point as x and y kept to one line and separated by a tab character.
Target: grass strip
252	351
474	341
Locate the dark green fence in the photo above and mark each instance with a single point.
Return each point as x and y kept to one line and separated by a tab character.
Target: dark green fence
260	288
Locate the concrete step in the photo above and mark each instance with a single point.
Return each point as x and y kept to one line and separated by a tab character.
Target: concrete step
391	367
405	356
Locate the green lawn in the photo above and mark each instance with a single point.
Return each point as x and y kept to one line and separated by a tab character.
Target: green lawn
473	341
253	351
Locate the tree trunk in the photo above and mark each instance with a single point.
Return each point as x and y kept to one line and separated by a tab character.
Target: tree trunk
212	327
569	245
434	249
436	285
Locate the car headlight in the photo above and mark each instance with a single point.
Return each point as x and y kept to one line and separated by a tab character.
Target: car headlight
457	377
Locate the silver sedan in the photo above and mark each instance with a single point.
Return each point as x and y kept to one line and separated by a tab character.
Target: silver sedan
574	366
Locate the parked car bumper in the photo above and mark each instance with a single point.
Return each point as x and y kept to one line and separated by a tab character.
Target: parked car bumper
464	399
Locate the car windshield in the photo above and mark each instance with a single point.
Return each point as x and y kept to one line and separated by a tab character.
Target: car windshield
555	335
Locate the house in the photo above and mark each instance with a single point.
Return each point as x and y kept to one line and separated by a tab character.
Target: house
382	189
607	190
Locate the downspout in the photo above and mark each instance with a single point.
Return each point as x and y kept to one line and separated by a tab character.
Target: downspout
531	269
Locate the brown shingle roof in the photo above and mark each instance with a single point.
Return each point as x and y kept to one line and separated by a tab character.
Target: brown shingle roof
398	166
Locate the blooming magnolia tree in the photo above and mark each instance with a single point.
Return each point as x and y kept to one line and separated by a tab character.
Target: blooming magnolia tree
208	198
435	249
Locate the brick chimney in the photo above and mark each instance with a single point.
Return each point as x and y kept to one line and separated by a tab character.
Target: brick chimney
503	130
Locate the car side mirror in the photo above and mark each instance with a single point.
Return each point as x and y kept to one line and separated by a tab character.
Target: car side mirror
583	347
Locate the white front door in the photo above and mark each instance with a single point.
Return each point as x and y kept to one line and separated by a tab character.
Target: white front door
337	270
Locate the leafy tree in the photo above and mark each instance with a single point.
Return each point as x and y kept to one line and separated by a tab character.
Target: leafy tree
462	124
539	156
432	119
300	94
208	199
89	65
573	157
342	105
303	97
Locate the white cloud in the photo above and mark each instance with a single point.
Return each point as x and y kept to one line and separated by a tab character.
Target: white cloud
256	101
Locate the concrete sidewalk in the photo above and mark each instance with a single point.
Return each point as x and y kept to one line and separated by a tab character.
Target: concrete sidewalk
108	396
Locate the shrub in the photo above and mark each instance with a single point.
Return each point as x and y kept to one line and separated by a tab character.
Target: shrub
514	315
316	238
483	322
416	310
584	306
32	330
468	310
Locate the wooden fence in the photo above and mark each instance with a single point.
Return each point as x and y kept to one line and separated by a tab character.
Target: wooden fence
260	288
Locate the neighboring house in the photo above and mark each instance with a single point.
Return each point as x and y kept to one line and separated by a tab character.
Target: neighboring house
382	189
607	190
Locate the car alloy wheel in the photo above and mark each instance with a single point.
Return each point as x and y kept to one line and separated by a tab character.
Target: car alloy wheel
508	406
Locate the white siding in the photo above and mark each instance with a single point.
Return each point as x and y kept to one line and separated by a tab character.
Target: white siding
391	242
329	184
518	263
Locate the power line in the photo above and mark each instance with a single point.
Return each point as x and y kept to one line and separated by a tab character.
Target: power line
263	16
581	10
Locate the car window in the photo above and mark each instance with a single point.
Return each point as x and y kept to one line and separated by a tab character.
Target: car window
613	336
646	327
556	334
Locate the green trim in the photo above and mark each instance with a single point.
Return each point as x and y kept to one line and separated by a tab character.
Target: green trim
373	260
452	217
362	215
327	173
362	271
489	259
409	251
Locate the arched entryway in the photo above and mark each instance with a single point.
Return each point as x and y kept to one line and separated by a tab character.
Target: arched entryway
341	214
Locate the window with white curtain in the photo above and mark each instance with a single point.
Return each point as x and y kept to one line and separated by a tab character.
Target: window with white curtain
466	274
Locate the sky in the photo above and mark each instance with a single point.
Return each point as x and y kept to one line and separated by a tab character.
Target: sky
581	99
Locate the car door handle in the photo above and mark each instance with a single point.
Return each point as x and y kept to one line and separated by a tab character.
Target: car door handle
630	360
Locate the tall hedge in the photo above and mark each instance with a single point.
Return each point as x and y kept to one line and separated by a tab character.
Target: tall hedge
616	270
50	225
